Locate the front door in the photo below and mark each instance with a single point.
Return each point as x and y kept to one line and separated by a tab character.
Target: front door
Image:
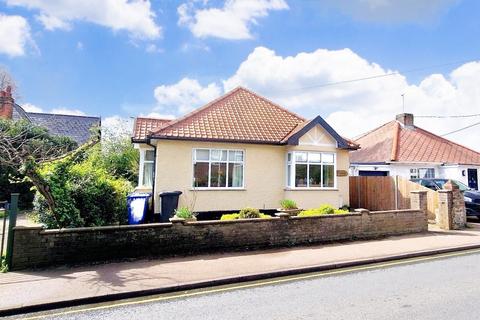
472	178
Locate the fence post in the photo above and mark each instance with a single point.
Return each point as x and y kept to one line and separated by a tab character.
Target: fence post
396	192
5	207
12	222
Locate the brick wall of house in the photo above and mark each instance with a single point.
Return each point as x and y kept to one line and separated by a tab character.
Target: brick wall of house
36	247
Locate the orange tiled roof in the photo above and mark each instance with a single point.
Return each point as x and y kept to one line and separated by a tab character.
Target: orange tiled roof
238	116
144	126
394	142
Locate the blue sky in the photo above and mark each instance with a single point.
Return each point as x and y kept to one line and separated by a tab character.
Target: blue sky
126	58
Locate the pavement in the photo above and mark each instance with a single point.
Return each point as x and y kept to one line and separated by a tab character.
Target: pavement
34	290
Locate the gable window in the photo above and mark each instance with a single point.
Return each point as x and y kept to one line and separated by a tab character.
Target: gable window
422	173
218	168
147	159
311	170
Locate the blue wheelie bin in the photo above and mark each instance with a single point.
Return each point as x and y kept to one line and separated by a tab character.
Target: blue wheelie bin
138	208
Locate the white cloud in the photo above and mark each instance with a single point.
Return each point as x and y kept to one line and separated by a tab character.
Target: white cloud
80	45
31	108
184	96
152	48
51	22
233	21
73	112
135	17
14	35
159	116
391	11
355	107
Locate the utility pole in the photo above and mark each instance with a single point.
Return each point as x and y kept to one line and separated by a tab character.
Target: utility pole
403	102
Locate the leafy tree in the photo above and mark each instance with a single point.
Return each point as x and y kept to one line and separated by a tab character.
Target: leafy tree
24	147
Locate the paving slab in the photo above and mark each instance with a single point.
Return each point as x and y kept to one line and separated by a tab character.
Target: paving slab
25	290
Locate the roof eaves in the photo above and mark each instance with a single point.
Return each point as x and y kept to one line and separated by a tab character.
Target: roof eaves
215	140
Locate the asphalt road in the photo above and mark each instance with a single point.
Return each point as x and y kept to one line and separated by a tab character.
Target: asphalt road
447	288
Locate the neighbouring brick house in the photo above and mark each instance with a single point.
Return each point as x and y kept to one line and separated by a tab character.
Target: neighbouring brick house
78	128
243	150
401	148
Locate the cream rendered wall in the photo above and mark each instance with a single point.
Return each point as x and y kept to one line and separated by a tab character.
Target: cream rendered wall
264	176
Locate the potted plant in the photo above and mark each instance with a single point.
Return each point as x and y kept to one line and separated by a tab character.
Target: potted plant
289	206
184	213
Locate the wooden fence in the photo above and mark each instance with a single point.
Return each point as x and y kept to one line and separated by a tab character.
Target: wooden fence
388	193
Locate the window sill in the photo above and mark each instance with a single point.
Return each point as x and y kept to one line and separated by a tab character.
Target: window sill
218	189
311	189
144	188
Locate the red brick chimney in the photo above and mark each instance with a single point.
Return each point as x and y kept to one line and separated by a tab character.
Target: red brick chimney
6	103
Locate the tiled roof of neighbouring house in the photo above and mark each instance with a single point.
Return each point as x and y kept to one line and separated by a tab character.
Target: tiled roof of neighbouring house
240	116
78	128
394	142
144	126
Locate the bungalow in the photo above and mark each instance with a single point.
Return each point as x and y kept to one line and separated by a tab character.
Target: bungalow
243	150
401	148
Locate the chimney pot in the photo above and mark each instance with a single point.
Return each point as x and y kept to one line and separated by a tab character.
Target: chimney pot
6	103
406	119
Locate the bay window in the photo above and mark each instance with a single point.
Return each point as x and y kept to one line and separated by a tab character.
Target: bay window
311	170
217	168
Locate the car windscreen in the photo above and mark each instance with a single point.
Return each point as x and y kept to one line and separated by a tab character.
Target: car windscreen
461	186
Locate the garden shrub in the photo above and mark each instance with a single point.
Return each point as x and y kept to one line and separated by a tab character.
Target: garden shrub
324	209
288	204
236	216
249	213
184	213
85	194
231	216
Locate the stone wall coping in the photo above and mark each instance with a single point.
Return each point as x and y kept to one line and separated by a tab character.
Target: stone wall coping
358	212
108	228
419	191
394	211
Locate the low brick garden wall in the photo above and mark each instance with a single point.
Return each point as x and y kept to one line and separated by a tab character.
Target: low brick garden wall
36	247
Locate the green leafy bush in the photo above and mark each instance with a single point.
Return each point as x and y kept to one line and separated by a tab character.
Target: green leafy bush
249	213
236	216
288	204
324	209
184	213
85	193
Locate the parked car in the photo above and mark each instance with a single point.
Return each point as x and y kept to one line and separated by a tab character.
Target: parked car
471	196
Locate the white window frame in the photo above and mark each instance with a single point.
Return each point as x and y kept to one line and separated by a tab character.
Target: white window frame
210	161
415	173
141	170
293	163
